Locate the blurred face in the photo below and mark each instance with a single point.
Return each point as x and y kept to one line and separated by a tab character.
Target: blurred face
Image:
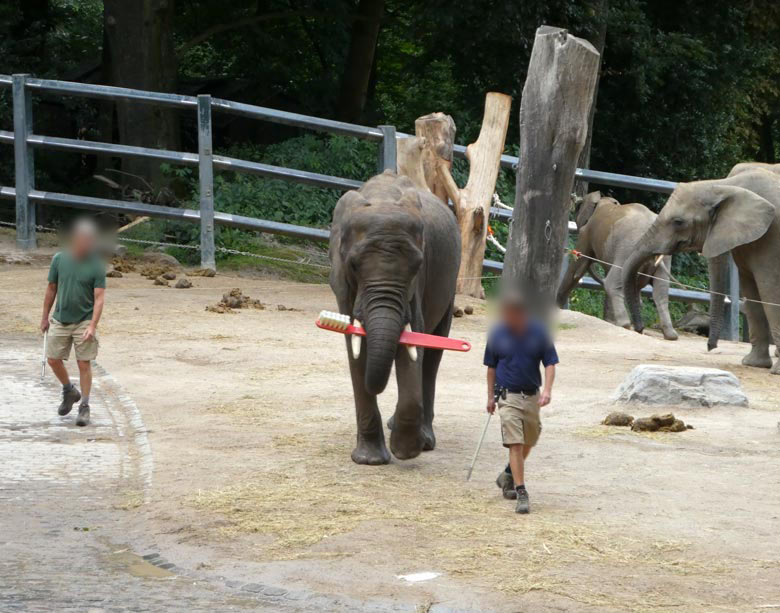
514	316
82	241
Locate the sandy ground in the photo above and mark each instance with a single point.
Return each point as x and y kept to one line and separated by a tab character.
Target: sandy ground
251	425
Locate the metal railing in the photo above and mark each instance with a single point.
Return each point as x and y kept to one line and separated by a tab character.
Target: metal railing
25	141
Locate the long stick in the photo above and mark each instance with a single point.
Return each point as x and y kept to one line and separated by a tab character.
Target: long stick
43	359
479	446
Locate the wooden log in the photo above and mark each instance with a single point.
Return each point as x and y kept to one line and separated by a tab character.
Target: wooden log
438	130
556	103
472	203
409	156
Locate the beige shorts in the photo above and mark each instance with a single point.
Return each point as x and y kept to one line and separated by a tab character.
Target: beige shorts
62	336
520	423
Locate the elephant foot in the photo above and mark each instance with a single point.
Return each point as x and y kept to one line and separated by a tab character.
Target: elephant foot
777	352
390	422
670	335
429	438
371	451
406	442
775	369
758	358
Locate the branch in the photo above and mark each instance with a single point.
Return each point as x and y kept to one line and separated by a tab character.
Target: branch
452	189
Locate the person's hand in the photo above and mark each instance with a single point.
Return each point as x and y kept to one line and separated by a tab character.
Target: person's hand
89	333
491	405
44	324
544	398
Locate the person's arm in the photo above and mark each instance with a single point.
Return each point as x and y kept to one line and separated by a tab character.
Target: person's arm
97	311
48	303
549	379
491	382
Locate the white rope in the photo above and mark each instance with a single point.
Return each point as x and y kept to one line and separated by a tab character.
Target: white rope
499	204
494	241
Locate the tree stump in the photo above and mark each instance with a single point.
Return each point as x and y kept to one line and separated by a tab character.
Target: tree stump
557	98
438	132
410	164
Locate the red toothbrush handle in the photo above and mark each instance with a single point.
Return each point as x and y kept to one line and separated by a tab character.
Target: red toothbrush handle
418	339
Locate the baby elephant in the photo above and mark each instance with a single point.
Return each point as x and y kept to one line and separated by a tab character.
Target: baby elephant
609	231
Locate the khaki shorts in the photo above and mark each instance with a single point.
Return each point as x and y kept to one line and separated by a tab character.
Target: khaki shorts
520	423
62	336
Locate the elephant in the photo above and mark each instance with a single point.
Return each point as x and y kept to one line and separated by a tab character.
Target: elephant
719	266
609	232
394	254
738	214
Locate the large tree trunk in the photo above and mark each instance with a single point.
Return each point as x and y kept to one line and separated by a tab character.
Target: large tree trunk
557	98
581	188
360	59
438	133
139	34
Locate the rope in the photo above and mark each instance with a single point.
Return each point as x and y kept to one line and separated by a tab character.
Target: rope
499	204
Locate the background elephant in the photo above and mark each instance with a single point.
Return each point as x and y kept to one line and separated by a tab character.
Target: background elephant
610	231
740	214
395	254
719	266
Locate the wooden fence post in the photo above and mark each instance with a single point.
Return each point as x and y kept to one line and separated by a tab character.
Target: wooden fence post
557	98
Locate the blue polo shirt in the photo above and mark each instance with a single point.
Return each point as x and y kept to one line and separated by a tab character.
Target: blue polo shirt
516	357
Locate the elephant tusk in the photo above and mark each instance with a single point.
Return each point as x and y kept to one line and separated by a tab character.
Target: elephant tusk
357	341
411	349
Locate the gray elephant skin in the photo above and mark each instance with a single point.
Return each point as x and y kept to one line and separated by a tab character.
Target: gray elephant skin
394	254
609	231
741	215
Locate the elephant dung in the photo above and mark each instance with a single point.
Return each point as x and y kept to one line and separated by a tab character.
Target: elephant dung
618	418
168	276
468	310
457	312
663	420
161	281
202	272
677	426
644	424
115	274
680	386
183	284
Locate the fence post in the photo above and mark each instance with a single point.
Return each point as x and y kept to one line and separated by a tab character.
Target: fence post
730	331
387	151
206	182
24	163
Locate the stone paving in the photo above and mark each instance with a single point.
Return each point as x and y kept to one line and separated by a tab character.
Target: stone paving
61	525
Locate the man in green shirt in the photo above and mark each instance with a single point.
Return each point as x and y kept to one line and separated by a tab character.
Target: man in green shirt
77	278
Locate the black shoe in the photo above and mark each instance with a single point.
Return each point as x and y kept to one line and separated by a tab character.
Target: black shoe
83	418
507	485
69	398
523	504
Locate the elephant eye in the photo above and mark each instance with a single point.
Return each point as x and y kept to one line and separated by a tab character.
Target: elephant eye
678	222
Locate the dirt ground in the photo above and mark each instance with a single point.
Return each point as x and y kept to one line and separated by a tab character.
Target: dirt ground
251	425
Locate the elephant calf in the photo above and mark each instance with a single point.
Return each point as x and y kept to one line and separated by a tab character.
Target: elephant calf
609	232
394	254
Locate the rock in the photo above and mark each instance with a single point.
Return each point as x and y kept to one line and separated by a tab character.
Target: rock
161	281
469	310
644	424
114	274
120	251
694	321
160	259
168	276
203	272
680	386
458	312
183	284
618	419
663	420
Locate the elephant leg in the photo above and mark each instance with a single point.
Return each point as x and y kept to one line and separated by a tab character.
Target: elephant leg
570	280
406	435
370	447
661	299
758	324
769	293
613	286
431	362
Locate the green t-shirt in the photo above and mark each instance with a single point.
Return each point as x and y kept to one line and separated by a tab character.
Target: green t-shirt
76	282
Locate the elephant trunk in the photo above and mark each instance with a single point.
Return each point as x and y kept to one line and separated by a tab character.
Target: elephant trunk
643	252
718	274
383	329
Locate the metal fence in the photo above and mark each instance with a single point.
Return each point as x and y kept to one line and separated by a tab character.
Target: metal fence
25	141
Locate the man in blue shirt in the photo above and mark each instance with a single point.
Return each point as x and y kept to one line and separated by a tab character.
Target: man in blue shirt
516	347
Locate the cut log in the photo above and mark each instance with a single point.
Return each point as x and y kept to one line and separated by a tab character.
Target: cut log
409	156
438	132
556	103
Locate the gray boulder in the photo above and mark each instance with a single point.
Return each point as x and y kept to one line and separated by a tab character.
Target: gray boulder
681	386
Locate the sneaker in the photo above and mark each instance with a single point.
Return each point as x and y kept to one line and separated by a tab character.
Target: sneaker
69	398
83	418
507	485
523	504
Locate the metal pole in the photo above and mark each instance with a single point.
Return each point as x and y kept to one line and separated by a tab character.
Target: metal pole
387	151
479	446
24	163
730	331
206	179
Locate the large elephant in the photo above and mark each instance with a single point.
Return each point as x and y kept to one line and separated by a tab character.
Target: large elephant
719	266
741	215
394	254
610	231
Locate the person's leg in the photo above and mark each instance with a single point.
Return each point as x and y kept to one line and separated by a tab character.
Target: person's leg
58	368
57	350
85	378
517	464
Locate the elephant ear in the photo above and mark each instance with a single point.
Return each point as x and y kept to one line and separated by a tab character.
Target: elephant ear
587	207
338	282
739	217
